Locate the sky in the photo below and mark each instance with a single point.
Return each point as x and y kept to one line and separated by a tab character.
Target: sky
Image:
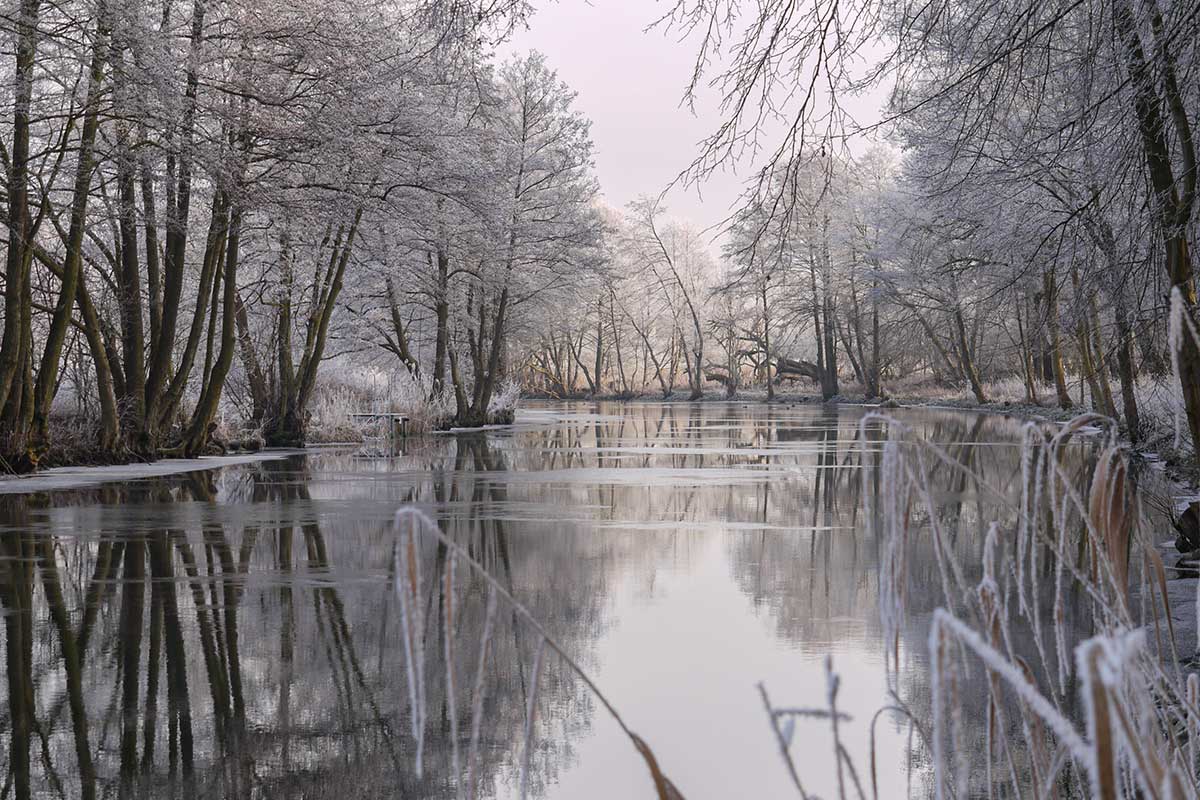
630	83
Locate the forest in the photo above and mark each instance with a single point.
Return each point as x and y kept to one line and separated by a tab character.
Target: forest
246	220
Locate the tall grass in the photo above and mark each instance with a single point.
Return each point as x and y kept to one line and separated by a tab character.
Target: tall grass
1160	408
426	409
340	395
1112	716
330	412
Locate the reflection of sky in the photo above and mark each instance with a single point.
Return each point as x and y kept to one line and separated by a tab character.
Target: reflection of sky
682	667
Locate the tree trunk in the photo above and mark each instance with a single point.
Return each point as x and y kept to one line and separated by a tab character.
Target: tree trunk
167	406
1126	366
766	347
17	294
256	378
966	359
1101	362
442	312
829	385
73	261
1027	369
598	385
1054	331
162	399
1174	196
397	342
198	431
1127	371
849	345
876	372
129	293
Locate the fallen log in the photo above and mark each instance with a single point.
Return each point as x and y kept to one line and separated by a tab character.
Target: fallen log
794	369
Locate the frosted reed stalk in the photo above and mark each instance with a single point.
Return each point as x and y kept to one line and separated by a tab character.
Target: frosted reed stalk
477	697
451	689
530	715
410	630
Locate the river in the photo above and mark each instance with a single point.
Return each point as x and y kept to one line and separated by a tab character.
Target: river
237	632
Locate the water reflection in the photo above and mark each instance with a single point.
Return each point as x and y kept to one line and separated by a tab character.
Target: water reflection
234	633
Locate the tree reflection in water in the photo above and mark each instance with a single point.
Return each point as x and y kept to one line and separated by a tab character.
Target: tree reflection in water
202	636
234	633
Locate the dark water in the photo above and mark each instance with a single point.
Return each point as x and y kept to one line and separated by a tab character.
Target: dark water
235	633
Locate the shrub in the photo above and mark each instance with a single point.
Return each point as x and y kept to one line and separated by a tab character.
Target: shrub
502	408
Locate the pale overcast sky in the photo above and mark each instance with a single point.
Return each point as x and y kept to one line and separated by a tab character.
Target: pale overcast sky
630	83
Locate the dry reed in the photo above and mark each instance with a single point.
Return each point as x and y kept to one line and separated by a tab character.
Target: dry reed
1137	707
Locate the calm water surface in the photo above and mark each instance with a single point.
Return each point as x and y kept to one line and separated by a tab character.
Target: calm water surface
234	633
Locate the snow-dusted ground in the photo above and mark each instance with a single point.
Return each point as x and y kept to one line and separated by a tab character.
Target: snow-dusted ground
60	478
